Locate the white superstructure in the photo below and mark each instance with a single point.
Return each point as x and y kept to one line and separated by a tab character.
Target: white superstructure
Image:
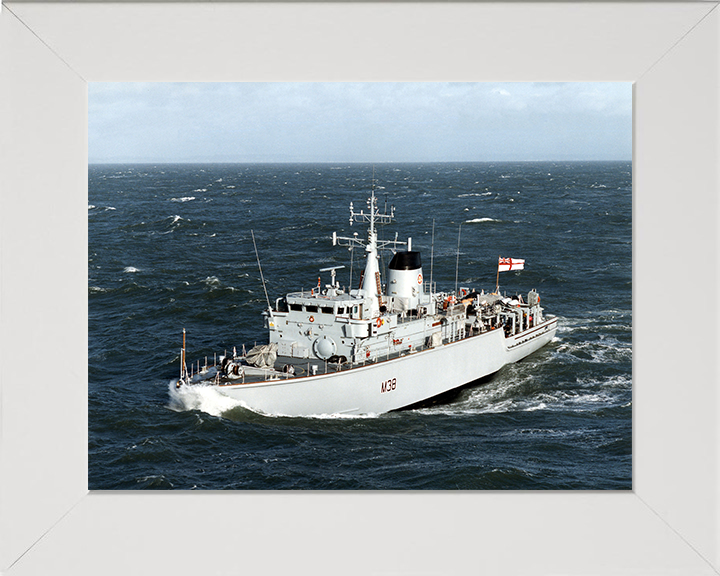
374	349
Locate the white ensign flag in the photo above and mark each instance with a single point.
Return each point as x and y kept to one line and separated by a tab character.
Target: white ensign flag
507	264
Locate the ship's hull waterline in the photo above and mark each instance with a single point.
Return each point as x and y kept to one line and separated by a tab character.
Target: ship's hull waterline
389	385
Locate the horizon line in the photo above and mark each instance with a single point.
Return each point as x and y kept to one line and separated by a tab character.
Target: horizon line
145	162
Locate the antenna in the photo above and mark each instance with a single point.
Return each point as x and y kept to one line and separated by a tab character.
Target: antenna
432	255
332	273
183	366
457	261
352	254
262	278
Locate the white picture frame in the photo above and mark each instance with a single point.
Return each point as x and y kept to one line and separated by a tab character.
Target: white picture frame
49	523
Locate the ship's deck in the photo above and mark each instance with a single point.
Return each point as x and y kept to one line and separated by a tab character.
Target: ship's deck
304	367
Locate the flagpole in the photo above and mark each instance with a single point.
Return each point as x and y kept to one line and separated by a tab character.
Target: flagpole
497	278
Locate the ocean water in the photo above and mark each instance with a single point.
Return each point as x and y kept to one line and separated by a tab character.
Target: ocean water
170	248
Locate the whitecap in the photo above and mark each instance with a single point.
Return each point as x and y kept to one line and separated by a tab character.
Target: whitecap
207	399
91	206
131	269
183	199
476	220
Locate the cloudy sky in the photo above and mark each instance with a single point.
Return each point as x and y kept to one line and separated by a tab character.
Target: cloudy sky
358	122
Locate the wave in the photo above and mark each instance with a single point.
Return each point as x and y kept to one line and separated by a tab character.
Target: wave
155	481
510	396
183	199
605	351
210	400
131	269
207	399
475	194
477	220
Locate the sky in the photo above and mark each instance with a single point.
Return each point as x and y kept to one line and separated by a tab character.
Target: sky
358	122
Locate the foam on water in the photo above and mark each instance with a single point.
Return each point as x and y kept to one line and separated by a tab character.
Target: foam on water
476	220
210	400
183	199
509	399
131	269
604	350
198	397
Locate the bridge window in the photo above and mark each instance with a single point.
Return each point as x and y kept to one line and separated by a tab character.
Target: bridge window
296	307
326	309
341	310
311	308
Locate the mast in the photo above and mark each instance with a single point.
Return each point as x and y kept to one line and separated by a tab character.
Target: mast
457	260
370	287
432	256
183	368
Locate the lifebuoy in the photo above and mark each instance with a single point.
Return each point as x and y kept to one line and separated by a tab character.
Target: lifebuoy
419	278
379	322
312	318
367	354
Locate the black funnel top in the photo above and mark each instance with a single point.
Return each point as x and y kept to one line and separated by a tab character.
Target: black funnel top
406	261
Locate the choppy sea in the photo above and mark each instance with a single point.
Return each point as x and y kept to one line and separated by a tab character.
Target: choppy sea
170	248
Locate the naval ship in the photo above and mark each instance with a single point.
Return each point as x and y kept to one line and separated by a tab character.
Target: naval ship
375	349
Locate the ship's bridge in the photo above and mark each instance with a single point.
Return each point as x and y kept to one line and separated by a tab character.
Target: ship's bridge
322	307
337	304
